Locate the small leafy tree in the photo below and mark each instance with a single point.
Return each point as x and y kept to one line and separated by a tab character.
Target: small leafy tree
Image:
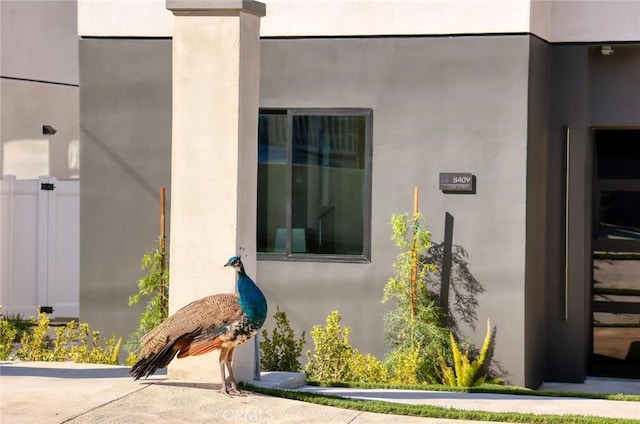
416	327
281	350
154	285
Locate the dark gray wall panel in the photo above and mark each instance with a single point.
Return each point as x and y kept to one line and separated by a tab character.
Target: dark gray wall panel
568	307
537	150
125	115
614	87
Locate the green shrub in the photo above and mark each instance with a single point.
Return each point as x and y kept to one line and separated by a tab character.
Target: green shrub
36	345
330	361
335	360
132	359
408	365
467	372
367	368
8	334
91	352
18	322
281	350
71	343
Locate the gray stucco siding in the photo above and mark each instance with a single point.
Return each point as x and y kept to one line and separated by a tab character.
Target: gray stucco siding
439	104
125	129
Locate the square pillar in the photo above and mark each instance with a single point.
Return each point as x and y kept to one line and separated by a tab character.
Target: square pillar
216	60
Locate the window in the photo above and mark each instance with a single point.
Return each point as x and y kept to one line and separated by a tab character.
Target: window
314	184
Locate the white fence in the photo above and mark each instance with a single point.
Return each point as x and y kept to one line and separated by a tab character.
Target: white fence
40	246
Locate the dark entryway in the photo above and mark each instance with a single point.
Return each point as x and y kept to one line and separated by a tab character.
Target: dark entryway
616	254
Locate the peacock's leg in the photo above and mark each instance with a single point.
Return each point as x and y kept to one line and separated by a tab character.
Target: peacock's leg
234	387
223	360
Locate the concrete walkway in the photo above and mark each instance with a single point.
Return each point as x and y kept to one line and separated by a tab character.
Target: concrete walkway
50	392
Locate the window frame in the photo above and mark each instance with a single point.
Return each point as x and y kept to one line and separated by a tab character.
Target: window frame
287	255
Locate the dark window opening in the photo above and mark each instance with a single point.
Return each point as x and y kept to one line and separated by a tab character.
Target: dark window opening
314	184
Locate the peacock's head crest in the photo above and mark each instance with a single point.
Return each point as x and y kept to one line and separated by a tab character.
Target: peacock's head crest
235	262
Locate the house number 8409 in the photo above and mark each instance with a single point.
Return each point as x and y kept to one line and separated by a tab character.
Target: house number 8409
462	180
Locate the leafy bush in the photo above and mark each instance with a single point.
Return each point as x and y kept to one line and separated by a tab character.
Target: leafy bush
367	368
330	361
71	343
281	351
8	333
92	352
19	322
416	329
158	305
408	364
336	360
467	372
36	345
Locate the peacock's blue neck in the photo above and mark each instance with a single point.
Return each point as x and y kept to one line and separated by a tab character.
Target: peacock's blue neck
252	301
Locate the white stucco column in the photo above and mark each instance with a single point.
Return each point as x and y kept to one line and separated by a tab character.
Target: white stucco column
216	58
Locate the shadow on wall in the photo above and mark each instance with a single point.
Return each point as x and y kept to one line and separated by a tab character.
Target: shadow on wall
462	289
119	161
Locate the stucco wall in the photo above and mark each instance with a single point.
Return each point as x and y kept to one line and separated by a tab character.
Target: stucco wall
444	104
439	104
39	40
125	115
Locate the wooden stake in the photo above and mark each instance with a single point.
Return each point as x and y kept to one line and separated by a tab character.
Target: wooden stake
163	283
414	249
414	260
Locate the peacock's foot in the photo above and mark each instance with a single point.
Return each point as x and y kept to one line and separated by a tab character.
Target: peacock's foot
237	392
232	391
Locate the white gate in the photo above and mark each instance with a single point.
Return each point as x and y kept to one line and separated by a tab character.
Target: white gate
40	246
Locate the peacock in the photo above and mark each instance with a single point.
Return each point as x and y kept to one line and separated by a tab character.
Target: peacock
221	321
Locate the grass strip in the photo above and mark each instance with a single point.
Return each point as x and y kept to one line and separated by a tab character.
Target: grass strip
430	411
485	388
